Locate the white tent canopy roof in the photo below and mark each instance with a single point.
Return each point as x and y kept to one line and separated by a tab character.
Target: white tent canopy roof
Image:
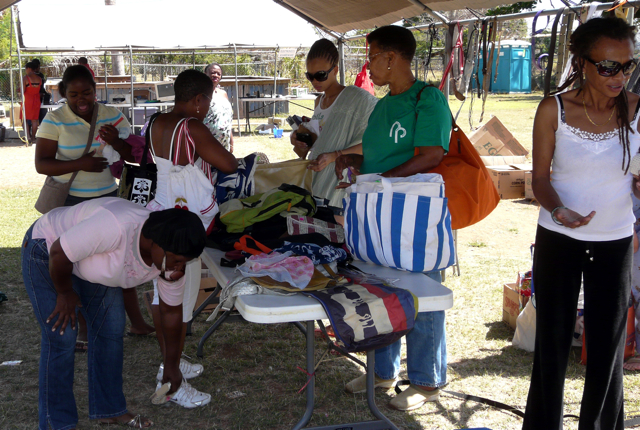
345	15
90	23
165	23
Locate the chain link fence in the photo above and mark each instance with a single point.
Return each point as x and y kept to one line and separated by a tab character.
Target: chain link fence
150	67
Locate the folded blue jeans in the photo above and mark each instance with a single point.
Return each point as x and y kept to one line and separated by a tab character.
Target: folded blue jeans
426	350
103	309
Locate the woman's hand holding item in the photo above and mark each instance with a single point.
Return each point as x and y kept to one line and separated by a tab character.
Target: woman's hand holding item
89	163
323	161
300	148
354	161
110	135
173	375
65	309
570	218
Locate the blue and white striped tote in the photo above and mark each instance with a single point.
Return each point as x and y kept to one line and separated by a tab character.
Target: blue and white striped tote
402	223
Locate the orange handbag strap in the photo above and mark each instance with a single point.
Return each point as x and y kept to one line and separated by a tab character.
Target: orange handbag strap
454	126
241	245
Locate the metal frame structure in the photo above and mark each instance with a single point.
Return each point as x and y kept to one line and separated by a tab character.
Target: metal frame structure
341	38
232	48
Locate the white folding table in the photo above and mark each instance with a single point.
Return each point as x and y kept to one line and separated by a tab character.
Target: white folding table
268	309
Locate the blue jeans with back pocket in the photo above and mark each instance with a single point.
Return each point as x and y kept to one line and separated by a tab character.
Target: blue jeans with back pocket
103	308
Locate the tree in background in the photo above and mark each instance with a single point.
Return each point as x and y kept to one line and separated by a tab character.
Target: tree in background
6	34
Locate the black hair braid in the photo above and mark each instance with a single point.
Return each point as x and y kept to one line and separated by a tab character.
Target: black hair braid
622	106
324	48
582	41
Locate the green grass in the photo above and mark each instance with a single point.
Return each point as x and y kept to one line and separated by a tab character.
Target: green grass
262	360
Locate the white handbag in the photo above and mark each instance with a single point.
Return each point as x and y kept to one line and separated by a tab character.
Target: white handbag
188	186
402	223
525	336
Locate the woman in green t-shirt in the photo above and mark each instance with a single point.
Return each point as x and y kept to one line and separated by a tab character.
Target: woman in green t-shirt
405	136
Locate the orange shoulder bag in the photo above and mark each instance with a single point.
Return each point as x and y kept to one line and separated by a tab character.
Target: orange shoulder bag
467	184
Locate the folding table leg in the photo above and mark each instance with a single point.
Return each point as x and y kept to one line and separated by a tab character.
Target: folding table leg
382	423
371	401
212	298
311	364
300	327
209	332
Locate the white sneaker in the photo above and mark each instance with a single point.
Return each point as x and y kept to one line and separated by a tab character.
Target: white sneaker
189	370
188	397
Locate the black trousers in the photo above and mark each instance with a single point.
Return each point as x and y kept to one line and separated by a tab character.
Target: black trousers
559	264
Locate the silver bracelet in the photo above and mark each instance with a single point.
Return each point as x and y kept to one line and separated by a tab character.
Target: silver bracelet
553	214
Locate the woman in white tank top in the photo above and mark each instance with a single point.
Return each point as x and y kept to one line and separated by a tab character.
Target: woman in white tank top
193	91
587	137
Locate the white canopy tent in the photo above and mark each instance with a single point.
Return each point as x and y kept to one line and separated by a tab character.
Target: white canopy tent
160	23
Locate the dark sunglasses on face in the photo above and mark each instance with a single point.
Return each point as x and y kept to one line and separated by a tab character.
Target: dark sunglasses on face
320	76
609	68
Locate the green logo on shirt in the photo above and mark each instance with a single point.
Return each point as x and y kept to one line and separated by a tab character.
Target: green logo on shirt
398	130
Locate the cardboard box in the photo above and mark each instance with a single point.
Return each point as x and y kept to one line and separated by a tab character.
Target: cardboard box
509	180
528	190
499	160
493	138
207	286
276	121
510	304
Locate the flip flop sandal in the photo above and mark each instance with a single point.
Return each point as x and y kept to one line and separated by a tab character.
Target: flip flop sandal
160	397
633	360
82	346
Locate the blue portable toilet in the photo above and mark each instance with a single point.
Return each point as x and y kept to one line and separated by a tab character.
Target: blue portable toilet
514	68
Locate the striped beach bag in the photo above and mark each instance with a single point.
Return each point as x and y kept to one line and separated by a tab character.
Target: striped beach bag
403	223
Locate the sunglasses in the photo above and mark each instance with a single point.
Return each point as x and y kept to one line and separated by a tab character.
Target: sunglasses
320	76
608	68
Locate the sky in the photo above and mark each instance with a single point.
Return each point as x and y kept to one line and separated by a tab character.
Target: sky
161	23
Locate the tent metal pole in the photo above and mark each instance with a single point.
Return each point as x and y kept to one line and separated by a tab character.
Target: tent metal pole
431	12
106	88
22	108
275	82
235	56
133	111
341	60
13	122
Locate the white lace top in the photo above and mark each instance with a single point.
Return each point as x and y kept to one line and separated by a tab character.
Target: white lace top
588	175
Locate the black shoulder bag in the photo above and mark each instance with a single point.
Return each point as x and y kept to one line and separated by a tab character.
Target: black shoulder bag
138	182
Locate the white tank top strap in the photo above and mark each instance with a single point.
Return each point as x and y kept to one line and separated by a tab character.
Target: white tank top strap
153	152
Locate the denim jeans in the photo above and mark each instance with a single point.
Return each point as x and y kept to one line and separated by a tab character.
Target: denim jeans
103	308
426	350
74	200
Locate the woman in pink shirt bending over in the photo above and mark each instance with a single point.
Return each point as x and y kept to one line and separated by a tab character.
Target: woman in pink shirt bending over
68	265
